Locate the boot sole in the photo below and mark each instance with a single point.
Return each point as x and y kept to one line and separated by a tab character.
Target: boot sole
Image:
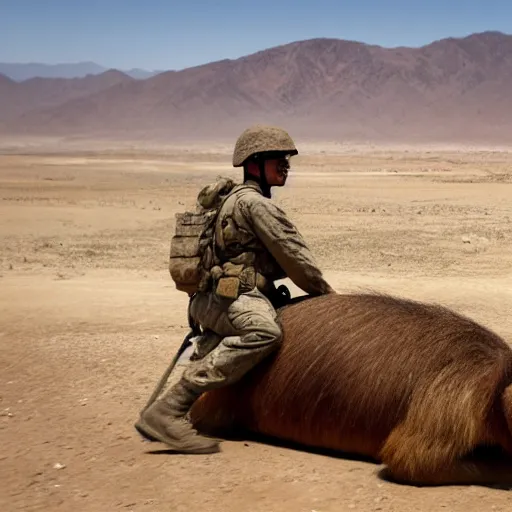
152	435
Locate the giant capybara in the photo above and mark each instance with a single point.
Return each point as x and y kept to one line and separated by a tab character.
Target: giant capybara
415	386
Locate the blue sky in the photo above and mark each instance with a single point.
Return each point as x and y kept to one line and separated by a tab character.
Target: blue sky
158	34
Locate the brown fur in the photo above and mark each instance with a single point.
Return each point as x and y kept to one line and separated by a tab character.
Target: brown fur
415	386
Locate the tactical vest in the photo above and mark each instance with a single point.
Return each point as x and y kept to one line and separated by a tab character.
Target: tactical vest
242	262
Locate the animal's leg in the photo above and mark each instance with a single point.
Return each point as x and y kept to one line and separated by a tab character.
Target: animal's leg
467	471
440	454
443	425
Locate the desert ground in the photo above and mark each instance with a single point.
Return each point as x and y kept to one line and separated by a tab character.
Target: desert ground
89	317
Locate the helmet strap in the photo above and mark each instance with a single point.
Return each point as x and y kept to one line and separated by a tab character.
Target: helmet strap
261	179
265	187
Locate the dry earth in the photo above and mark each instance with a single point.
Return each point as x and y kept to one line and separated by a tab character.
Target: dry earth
89	317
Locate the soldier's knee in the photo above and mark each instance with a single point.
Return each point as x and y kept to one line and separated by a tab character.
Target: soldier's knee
266	334
278	332
274	333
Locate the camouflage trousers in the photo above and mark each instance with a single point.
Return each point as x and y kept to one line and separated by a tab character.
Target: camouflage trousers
237	336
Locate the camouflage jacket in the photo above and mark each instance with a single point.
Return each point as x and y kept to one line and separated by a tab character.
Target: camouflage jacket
256	242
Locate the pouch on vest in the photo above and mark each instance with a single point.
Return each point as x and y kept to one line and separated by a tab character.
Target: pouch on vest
191	252
185	264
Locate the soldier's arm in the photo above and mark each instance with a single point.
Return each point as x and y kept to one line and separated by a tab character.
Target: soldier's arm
287	246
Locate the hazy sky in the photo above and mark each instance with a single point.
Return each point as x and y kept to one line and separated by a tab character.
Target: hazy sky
167	34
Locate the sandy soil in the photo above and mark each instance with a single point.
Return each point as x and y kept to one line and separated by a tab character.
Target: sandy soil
89	317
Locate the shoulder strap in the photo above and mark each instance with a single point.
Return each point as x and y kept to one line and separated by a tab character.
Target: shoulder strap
234	190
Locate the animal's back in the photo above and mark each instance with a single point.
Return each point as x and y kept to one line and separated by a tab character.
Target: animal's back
351	366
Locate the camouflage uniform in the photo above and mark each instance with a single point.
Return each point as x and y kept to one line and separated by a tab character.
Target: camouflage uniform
258	245
254	245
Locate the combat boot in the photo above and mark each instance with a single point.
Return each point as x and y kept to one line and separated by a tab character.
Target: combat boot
165	421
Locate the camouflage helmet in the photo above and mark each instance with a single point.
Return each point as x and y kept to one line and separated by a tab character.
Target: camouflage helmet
262	139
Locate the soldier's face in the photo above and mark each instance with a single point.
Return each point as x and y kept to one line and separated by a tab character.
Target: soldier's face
276	171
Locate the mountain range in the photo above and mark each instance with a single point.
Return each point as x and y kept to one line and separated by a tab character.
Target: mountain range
21	72
452	90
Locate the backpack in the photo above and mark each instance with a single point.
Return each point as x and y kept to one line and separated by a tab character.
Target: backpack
192	251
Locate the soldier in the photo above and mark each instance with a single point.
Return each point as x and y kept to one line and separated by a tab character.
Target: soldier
255	245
